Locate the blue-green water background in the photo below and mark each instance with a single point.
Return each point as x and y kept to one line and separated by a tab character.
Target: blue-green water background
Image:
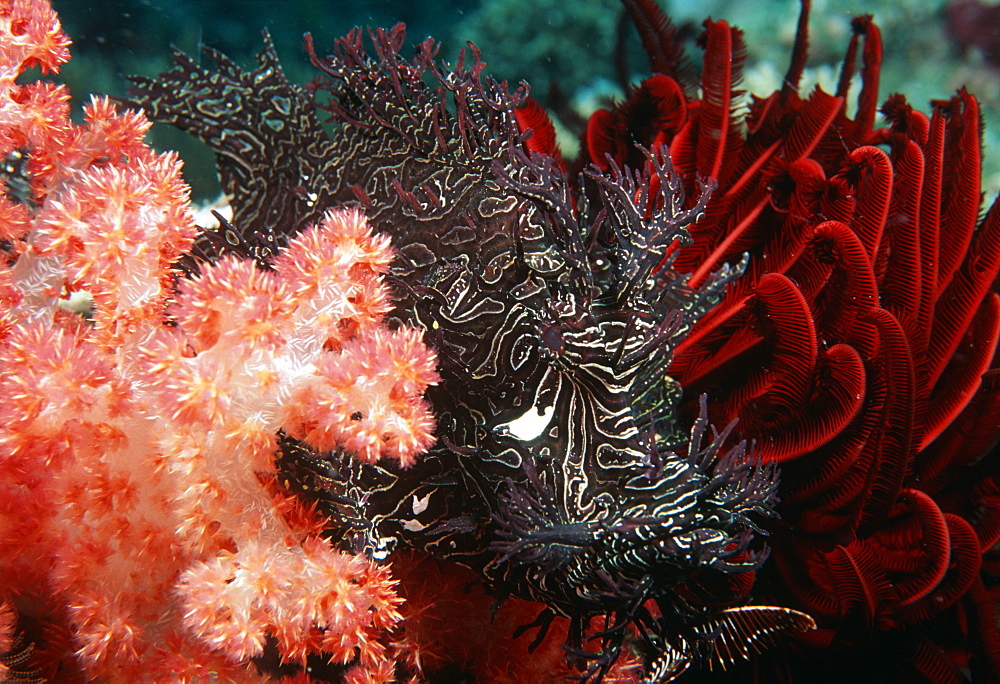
569	44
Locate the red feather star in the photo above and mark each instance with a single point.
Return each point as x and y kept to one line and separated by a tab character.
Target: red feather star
859	349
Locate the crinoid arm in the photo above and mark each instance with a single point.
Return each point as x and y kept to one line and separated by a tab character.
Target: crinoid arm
724	638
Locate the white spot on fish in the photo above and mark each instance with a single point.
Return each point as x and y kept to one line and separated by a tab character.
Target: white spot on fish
529	424
420	505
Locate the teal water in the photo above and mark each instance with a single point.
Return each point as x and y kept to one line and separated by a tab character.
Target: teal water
550	43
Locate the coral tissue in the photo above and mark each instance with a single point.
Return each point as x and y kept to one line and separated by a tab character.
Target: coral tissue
140	524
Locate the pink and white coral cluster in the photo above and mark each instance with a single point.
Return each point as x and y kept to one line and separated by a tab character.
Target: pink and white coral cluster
137	507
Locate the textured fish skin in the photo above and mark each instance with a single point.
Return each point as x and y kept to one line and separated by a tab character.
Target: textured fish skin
542	304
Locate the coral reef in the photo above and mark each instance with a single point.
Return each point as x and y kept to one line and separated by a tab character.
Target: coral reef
434	402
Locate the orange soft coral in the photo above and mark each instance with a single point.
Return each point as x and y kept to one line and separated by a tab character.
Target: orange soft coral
137	508
311	598
300	348
35	115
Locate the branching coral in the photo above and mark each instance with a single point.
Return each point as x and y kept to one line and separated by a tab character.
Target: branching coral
137	447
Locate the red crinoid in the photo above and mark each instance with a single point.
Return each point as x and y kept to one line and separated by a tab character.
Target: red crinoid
859	348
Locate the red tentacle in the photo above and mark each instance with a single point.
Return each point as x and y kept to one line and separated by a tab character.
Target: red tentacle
869	171
934	541
532	116
659	40
812	124
892	444
860	583
964	563
905	120
930	218
900	266
719	116
837	395
792	339
971	435
962	187
932	662
957	305
835	275
964	375
803	574
871	64
800	53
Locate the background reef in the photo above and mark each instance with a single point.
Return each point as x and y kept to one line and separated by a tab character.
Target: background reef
567	56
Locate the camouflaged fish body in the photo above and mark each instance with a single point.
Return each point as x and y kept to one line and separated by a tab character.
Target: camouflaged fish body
559	473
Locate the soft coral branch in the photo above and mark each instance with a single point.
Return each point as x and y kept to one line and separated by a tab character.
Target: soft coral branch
136	447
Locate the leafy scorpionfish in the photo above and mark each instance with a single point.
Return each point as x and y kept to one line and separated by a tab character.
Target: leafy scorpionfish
560	474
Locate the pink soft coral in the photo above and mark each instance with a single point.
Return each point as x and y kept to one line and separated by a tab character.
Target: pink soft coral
137	505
